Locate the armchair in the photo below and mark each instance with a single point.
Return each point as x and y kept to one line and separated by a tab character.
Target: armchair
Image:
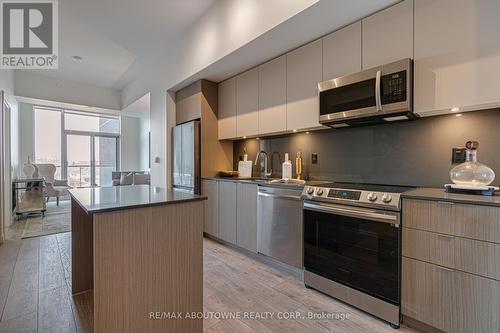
55	188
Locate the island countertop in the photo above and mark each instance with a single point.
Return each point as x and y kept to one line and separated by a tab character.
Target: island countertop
102	199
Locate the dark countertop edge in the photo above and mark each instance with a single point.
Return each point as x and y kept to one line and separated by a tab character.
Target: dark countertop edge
248	181
133	206
440	195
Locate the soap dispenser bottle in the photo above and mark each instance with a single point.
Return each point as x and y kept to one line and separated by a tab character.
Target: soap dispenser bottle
287	168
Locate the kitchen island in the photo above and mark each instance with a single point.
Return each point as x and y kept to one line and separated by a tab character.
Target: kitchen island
140	249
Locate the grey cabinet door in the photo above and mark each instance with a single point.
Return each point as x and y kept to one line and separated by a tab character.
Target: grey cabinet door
388	35
227	211
342	52
210	189
304	70
247	103
246	221
272	96
227	109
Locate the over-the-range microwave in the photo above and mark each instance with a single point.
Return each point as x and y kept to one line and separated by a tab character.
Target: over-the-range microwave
377	95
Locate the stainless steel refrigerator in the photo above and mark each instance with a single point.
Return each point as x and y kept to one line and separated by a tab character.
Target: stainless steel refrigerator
187	168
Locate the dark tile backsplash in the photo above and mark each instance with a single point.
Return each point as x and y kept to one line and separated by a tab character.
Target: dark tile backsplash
408	153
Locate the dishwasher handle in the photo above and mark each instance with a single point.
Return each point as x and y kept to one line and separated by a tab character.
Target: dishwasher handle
280	196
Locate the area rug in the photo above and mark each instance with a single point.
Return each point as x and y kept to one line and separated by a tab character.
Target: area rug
57	219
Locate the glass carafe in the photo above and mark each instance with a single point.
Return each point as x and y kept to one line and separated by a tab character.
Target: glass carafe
472	173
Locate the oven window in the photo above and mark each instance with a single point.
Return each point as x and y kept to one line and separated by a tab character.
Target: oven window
359	253
350	97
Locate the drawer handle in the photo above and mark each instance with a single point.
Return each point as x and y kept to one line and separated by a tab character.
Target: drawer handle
445	269
445	203
447	237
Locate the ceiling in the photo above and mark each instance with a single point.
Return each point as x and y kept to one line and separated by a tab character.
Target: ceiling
121	40
118	38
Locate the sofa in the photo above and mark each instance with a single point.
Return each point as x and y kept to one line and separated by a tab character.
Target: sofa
121	178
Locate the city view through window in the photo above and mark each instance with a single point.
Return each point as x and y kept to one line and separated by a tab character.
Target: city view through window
87	147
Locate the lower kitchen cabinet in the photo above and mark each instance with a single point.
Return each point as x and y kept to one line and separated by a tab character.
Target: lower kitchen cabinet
210	189
246	217
227	211
450	300
426	293
450	278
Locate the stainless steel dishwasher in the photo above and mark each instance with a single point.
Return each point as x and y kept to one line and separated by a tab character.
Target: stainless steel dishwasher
279	225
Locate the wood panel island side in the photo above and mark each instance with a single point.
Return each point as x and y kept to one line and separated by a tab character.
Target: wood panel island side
141	251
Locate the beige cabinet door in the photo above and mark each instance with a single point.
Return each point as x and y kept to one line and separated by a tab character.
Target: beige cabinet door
476	304
247	103
303	73
342	52
246	208
210	189
388	35
227	211
272	96
457	55
426	293
227	109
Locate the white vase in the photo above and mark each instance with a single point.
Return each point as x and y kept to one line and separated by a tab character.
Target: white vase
29	169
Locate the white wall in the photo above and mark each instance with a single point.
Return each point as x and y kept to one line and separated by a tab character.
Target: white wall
37	86
130	147
26	144
225	28
144	128
11	162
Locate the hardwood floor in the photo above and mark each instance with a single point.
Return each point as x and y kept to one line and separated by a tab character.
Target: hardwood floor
35	284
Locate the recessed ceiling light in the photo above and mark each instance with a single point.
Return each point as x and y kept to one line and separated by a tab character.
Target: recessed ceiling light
77	59
295	130
244	137
308	132
458	115
455	109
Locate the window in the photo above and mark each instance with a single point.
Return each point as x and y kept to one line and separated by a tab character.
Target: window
47	138
87	146
91	123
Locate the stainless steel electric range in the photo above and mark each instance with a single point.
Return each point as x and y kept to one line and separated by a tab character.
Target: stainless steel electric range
352	245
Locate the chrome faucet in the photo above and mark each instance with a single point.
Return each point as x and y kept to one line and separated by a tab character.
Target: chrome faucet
273	170
263	164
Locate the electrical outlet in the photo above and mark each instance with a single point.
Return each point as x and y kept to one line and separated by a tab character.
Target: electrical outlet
314	158
458	155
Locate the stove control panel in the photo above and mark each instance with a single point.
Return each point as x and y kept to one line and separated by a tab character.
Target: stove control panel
355	197
344	194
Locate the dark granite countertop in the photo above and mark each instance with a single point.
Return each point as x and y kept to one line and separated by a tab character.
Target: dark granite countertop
101	199
268	183
439	194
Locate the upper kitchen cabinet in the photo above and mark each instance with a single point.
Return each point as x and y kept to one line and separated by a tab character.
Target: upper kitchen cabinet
342	52
247	103
457	55
388	35
272	96
227	109
303	73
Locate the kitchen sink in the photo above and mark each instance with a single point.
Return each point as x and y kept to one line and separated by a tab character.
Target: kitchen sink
288	181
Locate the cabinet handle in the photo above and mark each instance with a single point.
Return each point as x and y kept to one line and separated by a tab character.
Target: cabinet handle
445	203
447	237
445	269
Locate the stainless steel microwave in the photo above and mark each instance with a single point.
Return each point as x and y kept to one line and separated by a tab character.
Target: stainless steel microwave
377	95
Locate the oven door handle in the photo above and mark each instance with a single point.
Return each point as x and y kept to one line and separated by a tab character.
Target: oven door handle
369	215
378	92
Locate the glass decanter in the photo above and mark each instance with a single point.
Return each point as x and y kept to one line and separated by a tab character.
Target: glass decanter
472	173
